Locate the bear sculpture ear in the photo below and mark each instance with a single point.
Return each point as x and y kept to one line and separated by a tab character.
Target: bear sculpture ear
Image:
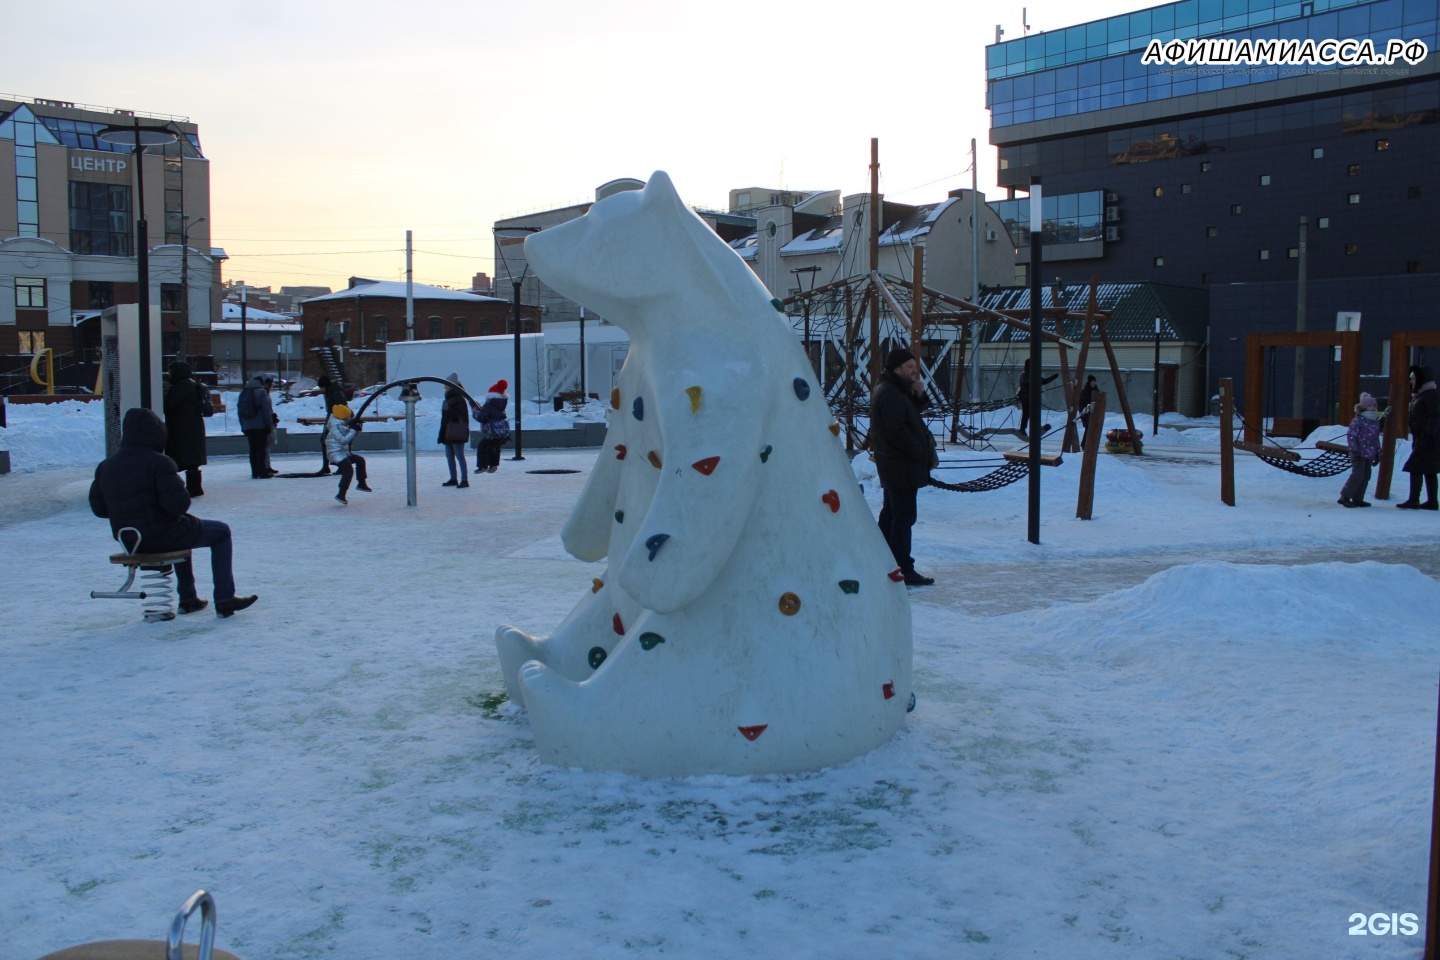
660	188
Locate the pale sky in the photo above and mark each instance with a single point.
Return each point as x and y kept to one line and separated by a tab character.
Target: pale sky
332	128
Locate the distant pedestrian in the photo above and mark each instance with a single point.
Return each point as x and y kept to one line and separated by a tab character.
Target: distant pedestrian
1424	462
494	428
1087	397
138	486
257	422
187	404
1363	438
332	395
344	427
454	431
904	452
1024	397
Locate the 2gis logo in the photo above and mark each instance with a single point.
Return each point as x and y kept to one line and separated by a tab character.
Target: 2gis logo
1382	924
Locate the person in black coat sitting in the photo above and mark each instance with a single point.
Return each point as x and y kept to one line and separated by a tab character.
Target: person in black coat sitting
904	453
140	487
187	404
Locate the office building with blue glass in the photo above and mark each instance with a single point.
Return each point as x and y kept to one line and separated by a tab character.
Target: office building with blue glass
1199	175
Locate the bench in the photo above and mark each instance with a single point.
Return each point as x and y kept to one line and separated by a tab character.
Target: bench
1023	456
158	585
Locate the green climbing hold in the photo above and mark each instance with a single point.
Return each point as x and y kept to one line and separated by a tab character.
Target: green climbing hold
619	516
765	454
850	586
778	304
597	657
648	641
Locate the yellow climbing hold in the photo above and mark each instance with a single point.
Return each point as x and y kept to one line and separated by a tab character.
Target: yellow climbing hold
614	398
595	584
694	394
835	428
654	459
789	604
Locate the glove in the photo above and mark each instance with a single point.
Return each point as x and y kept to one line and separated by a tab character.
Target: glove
356	425
276	417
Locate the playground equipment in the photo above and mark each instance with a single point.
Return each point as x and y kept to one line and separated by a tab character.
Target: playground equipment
157	582
173	945
1397	424
410	395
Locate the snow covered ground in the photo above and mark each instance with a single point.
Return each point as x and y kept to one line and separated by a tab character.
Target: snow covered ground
1162	733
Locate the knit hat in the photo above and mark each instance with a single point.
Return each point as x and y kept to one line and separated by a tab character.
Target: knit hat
453	378
1367	402
897	358
499	386
340	412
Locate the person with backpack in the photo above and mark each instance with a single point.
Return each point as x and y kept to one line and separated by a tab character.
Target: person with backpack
494	428
257	422
454	431
187	404
344	427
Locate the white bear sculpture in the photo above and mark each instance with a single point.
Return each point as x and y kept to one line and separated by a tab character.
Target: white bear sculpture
749	620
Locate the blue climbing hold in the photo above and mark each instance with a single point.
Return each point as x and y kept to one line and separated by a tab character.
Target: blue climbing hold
802	388
648	640
655	543
911	707
619	516
765	454
638	408
597	657
778	304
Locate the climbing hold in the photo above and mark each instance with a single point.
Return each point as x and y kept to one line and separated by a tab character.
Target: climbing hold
897	574
834	428
595	584
597	657
802	388
619	451
831	498
694	394
850	586
789	604
615	398
706	466
654	459
911	707
888	689
753	733
638	408
765	454
618	624
619	516
648	641
778	304
655	543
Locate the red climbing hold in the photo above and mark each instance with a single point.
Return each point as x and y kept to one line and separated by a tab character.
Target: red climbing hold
706	466
888	689
833	499
619	451
897	574
753	733
618	624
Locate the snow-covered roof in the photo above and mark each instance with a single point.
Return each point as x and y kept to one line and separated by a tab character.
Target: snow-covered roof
915	224
828	236
264	326
395	290
231	311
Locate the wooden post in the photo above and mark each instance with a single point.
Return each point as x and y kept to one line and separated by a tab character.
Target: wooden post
1136	444
1254	389
959	383
876	361
850	376
1091	305
1086	501
1397	414
1227	441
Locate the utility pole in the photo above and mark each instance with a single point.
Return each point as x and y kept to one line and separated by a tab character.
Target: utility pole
974	270
1037	233
519	401
876	360
583	394
1155	384
409	290
244	341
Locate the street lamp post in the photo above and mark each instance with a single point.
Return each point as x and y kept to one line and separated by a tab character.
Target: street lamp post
141	137
806	307
185	284
515	283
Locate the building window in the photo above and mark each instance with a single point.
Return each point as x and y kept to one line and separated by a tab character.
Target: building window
170	297
1317	153
29	293
1264	179
1264	254
1323	223
435	328
32	341
1351	249
1412	266
100	219
1353	170
459	326
1159	261
1211	231
382	330
99	294
1382	144
484	328
1184	188
1159	191
1204	166
1414	193
1292	253
1353	198
1234	209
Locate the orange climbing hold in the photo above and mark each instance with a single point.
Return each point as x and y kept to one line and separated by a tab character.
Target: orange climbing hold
831	499
789	604
615	398
595	584
706	466
753	733
835	427
654	459
694	393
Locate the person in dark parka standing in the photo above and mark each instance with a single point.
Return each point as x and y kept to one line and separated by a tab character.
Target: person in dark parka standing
257	422
138	486
1424	462
904	452
187	404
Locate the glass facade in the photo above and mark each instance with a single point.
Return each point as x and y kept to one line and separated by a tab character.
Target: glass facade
100	219
1360	113
1065	218
80	134
1097	65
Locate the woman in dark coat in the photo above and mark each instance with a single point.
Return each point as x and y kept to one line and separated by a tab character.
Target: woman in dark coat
1087	397
187	404
1424	462
455	432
